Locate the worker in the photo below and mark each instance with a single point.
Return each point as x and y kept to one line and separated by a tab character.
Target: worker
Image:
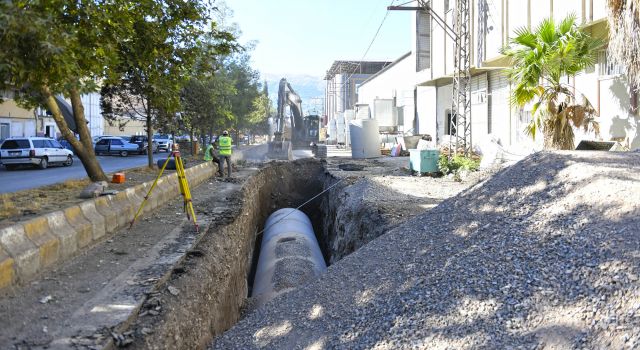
224	152
209	155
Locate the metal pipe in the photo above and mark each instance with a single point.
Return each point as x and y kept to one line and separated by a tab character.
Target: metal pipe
289	255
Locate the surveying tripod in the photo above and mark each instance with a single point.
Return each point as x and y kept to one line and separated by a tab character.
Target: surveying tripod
183	184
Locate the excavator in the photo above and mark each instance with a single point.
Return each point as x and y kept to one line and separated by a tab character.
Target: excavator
297	131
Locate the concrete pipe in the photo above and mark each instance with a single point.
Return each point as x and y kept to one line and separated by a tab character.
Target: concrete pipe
289	255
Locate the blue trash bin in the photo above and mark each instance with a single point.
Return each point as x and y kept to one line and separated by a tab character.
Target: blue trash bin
424	161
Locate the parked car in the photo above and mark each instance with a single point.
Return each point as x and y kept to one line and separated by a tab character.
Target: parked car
38	151
115	145
96	138
141	141
164	142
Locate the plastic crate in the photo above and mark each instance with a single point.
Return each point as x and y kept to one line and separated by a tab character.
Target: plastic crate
425	161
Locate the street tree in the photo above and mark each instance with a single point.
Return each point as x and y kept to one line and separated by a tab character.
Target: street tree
52	48
541	58
262	110
206	104
246	81
167	39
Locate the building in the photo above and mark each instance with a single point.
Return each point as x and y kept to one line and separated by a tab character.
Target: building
343	80
492	23
396	84
16	121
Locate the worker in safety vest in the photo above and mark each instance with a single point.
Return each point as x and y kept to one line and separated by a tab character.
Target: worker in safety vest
210	155
224	152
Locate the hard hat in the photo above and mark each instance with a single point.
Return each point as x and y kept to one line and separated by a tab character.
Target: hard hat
225	132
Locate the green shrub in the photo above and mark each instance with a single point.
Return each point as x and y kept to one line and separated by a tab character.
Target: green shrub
457	163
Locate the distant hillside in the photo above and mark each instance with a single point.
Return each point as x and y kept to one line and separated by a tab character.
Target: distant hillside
310	89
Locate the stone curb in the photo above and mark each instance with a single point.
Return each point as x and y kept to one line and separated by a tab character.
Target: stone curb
30	247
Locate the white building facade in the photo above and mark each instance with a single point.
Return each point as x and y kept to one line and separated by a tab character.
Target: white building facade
16	121
492	23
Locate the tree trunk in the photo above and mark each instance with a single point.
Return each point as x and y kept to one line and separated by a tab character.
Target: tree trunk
192	141
84	147
149	139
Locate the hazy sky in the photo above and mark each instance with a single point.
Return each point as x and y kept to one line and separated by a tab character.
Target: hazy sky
306	36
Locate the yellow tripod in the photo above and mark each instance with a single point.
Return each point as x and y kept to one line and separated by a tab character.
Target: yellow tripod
184	188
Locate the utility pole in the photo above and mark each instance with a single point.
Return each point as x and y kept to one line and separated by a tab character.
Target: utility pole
461	104
460	130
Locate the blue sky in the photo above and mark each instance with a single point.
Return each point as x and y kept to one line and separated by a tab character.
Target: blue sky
306	36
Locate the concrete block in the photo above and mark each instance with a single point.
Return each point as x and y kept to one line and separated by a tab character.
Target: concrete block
158	196
39	233
135	198
65	233
103	206
80	224
7	269
151	203
25	254
120	204
97	221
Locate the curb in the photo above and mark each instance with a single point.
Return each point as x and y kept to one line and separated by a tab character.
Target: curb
30	247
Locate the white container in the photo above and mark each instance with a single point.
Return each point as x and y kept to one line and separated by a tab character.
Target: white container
386	114
332	131
340	129
349	115
365	139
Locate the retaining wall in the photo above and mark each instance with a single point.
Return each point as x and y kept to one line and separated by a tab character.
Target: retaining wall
33	246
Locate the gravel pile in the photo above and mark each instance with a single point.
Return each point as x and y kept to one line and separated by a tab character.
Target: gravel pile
544	254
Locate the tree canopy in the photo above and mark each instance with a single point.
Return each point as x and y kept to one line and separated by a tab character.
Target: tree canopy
541	58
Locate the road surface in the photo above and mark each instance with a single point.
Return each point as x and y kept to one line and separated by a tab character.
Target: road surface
27	177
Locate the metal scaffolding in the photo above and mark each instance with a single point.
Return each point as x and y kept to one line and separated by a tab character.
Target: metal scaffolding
461	104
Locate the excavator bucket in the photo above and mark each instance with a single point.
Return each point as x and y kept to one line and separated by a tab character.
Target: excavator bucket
280	150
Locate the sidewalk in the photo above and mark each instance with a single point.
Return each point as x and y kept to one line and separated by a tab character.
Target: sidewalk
80	303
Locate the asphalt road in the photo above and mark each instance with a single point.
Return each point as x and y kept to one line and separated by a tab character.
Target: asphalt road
27	177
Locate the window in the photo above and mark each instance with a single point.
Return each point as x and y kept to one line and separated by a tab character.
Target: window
40	144
4	131
103	142
606	66
55	144
16	144
450	124
116	142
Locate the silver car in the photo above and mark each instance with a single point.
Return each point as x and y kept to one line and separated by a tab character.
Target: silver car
38	151
115	145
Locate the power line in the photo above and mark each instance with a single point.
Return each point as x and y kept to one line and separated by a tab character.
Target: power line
375	36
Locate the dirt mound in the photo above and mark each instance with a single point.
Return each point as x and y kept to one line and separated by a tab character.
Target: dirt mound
543	254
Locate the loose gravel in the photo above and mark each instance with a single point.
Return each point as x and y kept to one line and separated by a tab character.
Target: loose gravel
544	254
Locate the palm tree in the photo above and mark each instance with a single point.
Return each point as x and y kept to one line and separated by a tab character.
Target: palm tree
541	60
624	37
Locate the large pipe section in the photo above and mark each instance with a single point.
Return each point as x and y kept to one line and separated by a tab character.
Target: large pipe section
289	255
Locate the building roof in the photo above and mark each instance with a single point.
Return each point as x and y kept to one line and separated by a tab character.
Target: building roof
351	67
387	67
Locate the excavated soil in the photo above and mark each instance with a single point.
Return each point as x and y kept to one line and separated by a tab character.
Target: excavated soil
541	255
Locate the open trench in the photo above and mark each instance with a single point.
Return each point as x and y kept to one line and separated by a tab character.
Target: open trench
215	277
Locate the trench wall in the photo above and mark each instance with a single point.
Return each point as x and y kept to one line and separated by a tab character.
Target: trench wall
215	286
